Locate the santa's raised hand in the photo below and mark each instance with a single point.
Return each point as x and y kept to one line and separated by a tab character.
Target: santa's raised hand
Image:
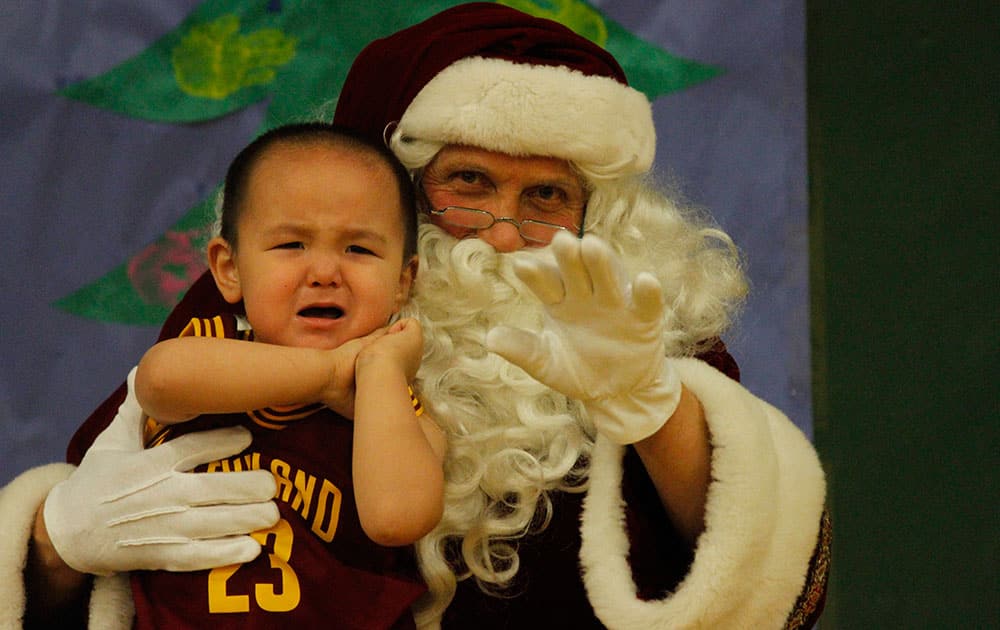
601	341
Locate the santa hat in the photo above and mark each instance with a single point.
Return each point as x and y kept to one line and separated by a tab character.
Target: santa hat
486	75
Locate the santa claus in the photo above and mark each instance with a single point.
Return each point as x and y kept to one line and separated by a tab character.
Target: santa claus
605	468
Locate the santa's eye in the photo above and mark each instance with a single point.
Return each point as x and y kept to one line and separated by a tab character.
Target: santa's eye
547	193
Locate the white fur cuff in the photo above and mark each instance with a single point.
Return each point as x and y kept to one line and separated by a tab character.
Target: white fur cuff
19	502
761	520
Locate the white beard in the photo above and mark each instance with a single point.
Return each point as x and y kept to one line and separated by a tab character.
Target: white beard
510	438
489	407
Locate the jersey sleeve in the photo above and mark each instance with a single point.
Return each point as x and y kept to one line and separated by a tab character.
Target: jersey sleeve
202	300
216	327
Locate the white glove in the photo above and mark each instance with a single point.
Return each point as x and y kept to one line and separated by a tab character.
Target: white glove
127	508
601	341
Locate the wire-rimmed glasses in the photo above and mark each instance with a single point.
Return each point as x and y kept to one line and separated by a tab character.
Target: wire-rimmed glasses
531	230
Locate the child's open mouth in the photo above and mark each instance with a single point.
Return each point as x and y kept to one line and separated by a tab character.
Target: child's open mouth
322	312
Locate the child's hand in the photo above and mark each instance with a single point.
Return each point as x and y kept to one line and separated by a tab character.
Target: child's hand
340	390
401	347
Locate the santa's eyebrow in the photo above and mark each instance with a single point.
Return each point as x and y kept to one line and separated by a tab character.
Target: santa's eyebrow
470	164
459	164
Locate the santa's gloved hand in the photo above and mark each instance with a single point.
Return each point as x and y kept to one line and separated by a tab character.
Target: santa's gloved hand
601	341
127	508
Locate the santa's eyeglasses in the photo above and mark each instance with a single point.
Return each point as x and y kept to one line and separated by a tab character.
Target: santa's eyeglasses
531	230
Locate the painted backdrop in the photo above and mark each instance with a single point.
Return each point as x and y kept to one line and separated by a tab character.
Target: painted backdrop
114	133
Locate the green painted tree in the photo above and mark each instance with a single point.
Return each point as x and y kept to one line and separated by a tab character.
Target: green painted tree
229	54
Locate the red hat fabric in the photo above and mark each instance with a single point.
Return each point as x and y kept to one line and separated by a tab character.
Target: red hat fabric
487	75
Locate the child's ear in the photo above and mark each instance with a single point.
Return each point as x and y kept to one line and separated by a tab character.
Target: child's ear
222	264
406	277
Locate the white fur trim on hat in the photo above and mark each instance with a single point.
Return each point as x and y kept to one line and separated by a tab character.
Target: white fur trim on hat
596	122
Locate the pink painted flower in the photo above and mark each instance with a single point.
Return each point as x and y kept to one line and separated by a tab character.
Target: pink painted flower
161	272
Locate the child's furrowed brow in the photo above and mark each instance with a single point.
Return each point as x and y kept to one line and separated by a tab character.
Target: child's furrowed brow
365	234
286	230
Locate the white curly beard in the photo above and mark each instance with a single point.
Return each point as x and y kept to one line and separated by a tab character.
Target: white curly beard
464	288
510	439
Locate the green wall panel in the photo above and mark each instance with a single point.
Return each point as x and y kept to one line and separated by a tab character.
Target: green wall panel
903	143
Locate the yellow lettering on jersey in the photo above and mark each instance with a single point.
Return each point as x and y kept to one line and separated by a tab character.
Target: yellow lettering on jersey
250	461
326	501
219	599
304	486
287	596
328	493
281	471
277	541
319	505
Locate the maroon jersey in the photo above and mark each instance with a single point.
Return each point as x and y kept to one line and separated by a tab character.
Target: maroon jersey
317	569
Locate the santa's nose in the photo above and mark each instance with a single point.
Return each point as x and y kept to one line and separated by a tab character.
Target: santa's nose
504	235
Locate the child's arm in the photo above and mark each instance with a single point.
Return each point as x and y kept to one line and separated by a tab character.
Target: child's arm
397	467
179	379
